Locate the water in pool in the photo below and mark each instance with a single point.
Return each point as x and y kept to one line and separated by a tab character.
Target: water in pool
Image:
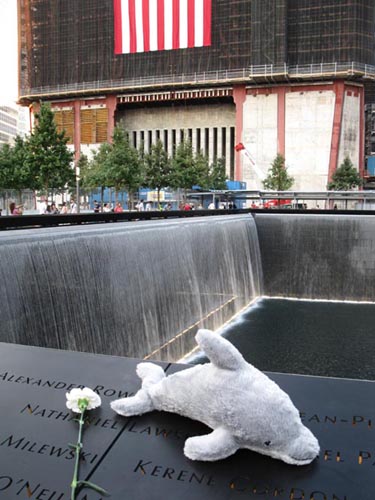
332	339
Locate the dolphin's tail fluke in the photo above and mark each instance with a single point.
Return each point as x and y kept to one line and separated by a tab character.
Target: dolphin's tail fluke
150	374
141	403
219	350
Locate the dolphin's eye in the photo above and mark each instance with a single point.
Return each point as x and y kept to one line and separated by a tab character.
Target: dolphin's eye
267	443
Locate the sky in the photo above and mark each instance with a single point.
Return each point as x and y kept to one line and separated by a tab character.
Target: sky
8	51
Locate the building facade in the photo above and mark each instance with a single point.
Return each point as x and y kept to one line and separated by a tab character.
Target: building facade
278	76
8	124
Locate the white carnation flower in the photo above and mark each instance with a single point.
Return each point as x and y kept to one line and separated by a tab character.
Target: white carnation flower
79	400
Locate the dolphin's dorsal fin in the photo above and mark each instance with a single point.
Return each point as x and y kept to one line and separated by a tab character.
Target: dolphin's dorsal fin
219	350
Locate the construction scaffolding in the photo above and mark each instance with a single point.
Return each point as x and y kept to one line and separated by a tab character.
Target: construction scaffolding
323	31
70	43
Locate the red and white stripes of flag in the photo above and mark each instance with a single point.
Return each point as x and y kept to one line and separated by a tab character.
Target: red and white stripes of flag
148	25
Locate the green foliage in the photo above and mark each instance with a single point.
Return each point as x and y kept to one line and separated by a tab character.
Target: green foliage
278	178
14	171
49	161
217	175
202	170
188	169
123	166
183	174
345	178
6	167
157	168
93	175
23	177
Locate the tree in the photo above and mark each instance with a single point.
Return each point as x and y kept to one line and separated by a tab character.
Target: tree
202	170
6	167
345	178
48	157
14	173
157	168
278	178
23	176
123	167
217	175
93	173
188	170
83	166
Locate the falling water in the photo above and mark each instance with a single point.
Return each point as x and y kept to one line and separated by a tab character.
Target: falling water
132	289
318	256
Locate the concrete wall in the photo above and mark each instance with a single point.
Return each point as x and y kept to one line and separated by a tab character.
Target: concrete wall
349	139
308	133
318	256
259	137
219	119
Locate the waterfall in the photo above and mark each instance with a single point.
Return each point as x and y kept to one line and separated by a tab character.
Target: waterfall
137	289
312	256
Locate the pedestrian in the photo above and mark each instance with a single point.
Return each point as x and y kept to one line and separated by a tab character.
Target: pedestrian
96	207
13	210
43	207
54	209
118	208
140	206
64	208
73	206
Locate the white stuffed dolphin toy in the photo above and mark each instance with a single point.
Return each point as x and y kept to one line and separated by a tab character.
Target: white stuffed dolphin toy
243	406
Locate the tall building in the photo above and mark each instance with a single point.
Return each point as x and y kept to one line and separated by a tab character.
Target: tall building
14	121
8	123
278	76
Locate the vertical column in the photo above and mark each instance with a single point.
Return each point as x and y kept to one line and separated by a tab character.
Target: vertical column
33	109
77	149
210	145
194	139
153	135
361	159
219	142
111	103
281	120
77	130
201	139
170	145
227	152
339	89
239	97
178	137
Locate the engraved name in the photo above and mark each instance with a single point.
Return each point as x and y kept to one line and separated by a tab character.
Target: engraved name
63	452
59	384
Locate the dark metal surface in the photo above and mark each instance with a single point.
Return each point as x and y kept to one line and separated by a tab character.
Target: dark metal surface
36	221
27	221
142	457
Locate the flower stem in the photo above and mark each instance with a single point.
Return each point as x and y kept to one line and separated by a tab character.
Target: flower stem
77	447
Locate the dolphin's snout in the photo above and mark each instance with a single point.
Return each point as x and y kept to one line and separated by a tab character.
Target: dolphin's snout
304	448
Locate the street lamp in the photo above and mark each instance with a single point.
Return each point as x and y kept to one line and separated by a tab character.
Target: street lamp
77	187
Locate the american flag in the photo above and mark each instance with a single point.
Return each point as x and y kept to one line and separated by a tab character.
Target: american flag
146	25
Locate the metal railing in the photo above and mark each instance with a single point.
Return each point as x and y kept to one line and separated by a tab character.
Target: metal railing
249	74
